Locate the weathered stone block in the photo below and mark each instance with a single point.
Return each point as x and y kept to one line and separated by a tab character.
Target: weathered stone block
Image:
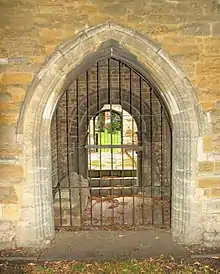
6	225
216	29
5	97
206	167
208	81
211	46
208	64
215	119
37	59
208	94
212	239
212	224
17	94
9	151
207	144
8	195
7	234
18	60
196	29
216	142
215	192
48	35
49	49
209	182
188	49
77	194
207	192
11	212
9	118
13	78
8	107
217	167
7	135
1	212
218	104
187	45
212	192
11	173
212	206
208	105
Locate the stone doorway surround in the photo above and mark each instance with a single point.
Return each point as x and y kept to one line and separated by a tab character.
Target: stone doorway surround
36	227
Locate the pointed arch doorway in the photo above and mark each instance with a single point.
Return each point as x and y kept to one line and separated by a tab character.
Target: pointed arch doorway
69	61
112	152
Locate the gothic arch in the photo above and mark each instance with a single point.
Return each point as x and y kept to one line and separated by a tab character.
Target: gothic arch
36	224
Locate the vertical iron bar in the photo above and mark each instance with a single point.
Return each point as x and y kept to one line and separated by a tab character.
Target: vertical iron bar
90	161
109	79
141	141
110	102
151	152
88	140
93	133
100	142
122	150
162	169
58	164
132	140
89	152
170	167
67	160
78	145
166	155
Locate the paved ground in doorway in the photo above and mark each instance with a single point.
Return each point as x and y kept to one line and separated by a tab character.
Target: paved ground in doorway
136	210
102	245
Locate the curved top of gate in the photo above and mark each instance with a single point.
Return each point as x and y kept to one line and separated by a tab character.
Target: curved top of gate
110	40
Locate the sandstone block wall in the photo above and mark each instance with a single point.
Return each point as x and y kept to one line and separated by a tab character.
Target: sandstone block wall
31	30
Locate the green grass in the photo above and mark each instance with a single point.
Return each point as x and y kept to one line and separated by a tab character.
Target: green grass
95	163
106	138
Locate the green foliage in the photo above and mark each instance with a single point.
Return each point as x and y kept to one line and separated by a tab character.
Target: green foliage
114	126
100	122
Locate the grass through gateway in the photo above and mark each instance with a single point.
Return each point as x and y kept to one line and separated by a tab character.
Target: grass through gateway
106	138
149	265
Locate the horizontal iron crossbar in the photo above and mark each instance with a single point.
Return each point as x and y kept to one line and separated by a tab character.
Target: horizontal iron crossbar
131	147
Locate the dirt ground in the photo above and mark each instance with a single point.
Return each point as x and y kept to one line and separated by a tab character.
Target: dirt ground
150	265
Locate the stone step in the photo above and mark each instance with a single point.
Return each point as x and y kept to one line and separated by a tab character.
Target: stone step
114	173
116	191
108	182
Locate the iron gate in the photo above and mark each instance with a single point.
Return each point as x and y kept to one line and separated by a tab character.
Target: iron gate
111	151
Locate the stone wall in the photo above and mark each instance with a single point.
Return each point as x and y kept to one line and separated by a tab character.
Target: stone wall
31	30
